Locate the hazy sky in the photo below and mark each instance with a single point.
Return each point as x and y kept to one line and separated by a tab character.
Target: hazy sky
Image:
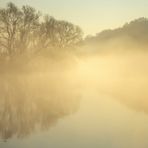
91	15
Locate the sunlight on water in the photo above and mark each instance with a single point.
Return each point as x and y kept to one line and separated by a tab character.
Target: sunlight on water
99	101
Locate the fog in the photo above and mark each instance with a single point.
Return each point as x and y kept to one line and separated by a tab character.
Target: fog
60	89
123	76
97	96
35	100
47	89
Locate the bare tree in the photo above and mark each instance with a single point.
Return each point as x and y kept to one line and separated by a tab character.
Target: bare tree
68	34
22	31
29	25
60	33
16	28
9	21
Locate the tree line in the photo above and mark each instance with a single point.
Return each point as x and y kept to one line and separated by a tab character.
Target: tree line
25	31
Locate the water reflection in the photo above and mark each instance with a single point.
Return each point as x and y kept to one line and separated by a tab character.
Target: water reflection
112	89
33	102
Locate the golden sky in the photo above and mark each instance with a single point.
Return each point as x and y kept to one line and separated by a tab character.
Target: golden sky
91	15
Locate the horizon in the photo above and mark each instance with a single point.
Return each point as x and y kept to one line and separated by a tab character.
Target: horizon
115	13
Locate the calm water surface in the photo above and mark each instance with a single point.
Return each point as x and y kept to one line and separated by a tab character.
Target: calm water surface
58	112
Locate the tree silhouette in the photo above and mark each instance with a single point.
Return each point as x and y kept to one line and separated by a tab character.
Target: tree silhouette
10	19
22	31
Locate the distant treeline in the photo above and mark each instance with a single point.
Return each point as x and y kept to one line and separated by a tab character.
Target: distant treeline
25	31
135	31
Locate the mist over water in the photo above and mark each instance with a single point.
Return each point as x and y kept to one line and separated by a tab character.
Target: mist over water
35	101
122	76
61	90
101	92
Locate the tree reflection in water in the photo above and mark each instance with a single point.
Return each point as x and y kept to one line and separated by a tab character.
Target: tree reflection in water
28	104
